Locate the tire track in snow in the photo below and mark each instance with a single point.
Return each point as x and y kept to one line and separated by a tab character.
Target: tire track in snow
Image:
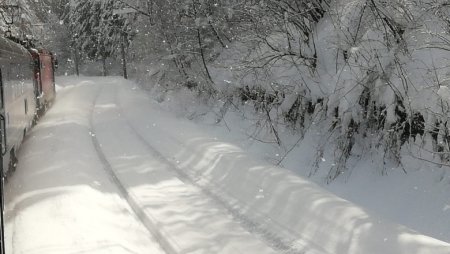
145	219
255	228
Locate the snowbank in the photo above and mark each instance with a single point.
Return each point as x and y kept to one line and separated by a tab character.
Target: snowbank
278	202
294	207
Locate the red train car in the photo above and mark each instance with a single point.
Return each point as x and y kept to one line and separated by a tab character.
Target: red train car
44	78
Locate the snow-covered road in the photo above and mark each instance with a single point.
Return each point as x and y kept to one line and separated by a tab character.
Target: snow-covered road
60	200
88	183
106	171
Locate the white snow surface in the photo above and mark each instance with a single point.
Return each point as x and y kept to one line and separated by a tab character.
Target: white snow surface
108	171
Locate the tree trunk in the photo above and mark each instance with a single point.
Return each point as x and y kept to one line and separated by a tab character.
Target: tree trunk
124	58
77	63
104	66
202	53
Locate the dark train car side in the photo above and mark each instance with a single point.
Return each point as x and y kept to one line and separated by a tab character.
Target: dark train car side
17	109
17	99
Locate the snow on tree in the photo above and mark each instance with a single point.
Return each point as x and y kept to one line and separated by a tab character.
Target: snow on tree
96	31
24	19
364	68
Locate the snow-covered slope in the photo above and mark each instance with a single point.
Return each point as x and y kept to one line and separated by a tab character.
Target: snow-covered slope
275	201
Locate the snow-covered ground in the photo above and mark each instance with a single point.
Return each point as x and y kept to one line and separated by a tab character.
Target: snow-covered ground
108	171
418	198
60	200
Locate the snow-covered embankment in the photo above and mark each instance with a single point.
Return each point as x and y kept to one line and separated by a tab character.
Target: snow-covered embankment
276	201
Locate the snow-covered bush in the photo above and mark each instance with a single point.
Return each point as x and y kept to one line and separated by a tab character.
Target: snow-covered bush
367	68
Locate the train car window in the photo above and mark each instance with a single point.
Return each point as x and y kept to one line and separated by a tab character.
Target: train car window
2	103
8	73
7	93
21	69
11	81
